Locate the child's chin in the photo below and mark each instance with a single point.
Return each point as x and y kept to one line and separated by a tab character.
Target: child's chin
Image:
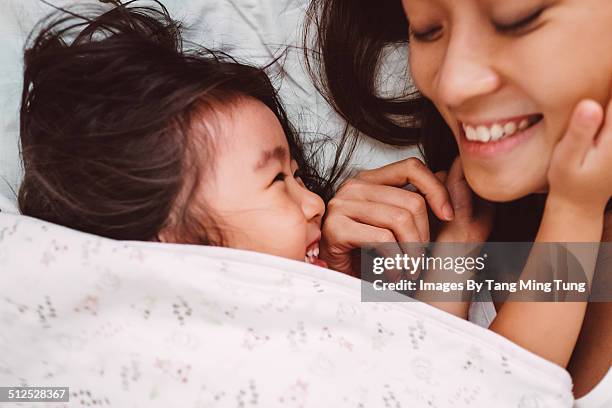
320	262
316	262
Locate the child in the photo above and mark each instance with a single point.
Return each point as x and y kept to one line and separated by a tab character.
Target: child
126	135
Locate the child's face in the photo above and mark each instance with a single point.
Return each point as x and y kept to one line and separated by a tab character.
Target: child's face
491	64
254	191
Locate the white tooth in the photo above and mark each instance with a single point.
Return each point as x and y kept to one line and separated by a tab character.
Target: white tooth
496	132
483	134
470	133
316	251
306	259
510	128
523	125
309	253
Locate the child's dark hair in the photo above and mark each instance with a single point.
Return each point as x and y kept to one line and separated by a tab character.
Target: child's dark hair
109	100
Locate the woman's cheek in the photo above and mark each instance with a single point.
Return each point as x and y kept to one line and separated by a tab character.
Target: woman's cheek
565	66
423	67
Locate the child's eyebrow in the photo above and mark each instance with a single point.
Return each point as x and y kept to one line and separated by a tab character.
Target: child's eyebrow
278	153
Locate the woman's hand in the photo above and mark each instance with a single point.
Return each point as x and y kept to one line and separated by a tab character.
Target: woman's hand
473	216
374	208
580	173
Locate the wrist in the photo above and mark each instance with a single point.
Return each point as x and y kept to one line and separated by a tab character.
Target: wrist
570	221
558	203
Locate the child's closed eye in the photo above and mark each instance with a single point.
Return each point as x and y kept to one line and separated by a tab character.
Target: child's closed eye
279	177
282	176
298	175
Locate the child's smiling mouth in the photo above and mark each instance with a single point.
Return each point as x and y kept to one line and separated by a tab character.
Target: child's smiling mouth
312	255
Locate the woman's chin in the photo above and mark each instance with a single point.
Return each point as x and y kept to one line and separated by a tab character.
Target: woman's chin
505	191
498	196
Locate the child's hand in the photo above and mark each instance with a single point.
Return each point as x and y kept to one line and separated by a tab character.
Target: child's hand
580	173
473	216
372	208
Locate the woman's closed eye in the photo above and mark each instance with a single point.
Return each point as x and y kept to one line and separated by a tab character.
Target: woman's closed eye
520	25
426	35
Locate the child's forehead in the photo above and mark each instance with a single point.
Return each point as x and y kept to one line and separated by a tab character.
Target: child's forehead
244	133
250	125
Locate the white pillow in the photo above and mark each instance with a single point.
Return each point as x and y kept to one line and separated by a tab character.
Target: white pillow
254	30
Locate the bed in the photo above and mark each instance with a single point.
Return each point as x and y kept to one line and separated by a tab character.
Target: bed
148	324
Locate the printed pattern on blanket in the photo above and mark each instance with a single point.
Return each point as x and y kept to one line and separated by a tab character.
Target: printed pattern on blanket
127	324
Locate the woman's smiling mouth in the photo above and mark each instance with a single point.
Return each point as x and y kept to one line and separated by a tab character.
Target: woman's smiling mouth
487	139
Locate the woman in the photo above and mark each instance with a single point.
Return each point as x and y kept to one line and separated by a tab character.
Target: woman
497	83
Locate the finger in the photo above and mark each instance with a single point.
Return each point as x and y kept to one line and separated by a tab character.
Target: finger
344	235
352	189
605	135
459	190
581	132
484	211
413	171
400	222
397	197
456	171
395	219
441	175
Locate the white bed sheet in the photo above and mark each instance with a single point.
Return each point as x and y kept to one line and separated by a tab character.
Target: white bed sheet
148	324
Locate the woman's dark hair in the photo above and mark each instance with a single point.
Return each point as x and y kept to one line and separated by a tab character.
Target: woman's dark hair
345	42
110	99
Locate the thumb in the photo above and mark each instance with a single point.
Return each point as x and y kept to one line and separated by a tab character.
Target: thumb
582	130
441	175
459	190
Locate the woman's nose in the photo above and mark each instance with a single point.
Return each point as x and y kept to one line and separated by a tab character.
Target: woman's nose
466	71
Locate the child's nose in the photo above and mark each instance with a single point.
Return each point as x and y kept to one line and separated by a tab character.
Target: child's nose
312	205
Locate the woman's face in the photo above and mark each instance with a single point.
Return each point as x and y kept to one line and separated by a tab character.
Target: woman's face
506	75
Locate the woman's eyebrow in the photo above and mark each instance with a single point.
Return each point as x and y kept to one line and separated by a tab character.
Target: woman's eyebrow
278	153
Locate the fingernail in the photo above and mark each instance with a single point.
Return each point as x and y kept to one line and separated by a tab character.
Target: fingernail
448	212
